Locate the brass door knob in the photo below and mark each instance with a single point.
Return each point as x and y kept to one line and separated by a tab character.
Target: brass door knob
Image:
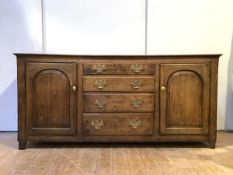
163	88
74	88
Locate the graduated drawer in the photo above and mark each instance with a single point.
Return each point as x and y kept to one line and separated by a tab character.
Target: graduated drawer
121	68
112	102
118	124
118	83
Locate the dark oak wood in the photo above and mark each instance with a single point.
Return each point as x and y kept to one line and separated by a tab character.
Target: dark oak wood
50	98
115	102
118	83
118	124
79	105
184	98
22	144
115	69
22	138
83	98
213	103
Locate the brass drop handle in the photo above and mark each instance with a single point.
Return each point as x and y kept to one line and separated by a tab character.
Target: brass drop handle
74	88
134	124
137	68
136	103
99	68
100	103
97	124
163	88
100	84
136	84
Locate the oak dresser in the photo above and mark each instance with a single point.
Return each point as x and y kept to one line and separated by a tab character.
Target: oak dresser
81	98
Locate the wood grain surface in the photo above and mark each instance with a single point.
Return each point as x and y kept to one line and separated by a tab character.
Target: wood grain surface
58	96
115	102
113	69
119	83
118	124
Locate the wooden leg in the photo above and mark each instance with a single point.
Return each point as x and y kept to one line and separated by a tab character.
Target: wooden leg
212	144
22	145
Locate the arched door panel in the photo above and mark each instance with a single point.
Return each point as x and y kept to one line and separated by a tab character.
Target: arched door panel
50	98
184	98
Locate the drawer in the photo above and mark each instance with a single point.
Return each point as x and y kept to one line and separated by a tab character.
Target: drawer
118	124
107	102
118	83
122	68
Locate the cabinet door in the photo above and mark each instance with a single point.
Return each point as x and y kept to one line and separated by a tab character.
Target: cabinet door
184	98
50	98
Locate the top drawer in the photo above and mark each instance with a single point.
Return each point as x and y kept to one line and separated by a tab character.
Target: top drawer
122	68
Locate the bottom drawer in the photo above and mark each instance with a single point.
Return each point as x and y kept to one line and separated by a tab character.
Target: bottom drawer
118	124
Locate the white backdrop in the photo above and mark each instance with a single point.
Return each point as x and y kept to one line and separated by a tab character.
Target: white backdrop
20	31
115	27
95	26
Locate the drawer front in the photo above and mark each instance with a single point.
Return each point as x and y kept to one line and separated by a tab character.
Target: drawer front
118	124
106	102
118	83
111	68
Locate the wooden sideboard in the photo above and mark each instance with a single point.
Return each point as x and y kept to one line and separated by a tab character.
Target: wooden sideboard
81	98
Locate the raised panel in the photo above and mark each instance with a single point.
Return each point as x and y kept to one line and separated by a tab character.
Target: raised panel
185	99
50	99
